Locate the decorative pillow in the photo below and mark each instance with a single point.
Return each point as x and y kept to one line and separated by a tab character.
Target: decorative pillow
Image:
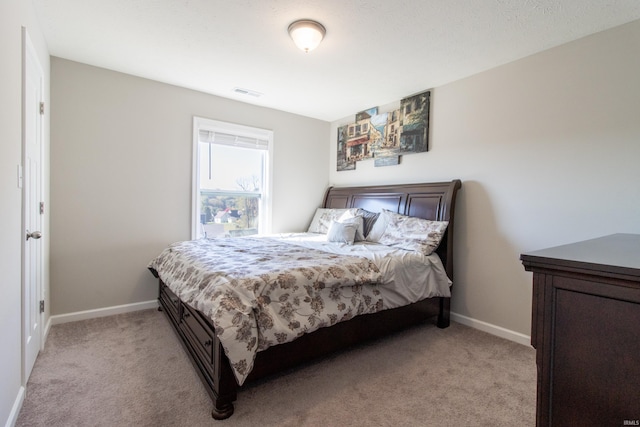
413	234
369	219
349	218
379	226
341	232
323	217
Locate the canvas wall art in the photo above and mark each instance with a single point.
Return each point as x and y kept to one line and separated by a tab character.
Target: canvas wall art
385	137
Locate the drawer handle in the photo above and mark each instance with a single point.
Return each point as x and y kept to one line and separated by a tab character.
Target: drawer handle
208	343
187	315
175	301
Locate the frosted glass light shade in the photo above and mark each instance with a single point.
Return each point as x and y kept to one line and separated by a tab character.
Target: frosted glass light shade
307	34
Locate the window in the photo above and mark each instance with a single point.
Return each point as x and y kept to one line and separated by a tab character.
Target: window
231	179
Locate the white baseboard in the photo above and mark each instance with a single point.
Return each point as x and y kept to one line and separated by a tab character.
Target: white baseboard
100	312
15	410
109	311
492	329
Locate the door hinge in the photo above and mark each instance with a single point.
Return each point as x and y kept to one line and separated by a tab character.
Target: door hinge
41	306
42	108
41	208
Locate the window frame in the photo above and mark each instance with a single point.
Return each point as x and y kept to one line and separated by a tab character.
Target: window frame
201	123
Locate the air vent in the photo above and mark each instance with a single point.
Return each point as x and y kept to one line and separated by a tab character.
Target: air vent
248	92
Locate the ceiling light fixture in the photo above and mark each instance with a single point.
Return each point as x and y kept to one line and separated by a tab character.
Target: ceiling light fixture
306	34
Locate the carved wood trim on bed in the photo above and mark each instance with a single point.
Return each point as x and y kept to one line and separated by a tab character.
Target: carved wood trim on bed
435	201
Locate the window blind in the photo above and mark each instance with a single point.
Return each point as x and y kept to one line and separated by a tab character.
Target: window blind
212	137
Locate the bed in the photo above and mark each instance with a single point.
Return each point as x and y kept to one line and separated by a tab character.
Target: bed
207	317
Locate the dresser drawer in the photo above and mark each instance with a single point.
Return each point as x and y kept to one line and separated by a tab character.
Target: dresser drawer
170	301
199	335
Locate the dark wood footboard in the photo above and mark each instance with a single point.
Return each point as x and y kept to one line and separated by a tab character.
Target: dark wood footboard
435	201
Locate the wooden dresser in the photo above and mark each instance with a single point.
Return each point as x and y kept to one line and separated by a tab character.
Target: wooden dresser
586	331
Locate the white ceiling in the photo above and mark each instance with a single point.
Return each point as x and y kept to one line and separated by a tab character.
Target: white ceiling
375	51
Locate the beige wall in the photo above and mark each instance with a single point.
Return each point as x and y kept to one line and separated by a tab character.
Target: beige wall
121	177
14	14
547	148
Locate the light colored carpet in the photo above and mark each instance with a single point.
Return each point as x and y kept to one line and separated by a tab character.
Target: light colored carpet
130	370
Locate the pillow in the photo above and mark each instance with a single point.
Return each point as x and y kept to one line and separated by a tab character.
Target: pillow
410	233
323	217
369	219
349	218
341	232
379	226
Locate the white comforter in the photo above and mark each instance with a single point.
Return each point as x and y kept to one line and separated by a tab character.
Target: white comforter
407	276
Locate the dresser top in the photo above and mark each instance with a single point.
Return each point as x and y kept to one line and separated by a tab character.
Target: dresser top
616	253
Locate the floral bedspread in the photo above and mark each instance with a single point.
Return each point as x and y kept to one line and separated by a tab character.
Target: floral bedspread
260	292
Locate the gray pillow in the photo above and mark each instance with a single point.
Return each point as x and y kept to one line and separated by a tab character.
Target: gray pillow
379	226
341	232
369	220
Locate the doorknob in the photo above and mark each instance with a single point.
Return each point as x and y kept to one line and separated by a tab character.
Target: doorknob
34	235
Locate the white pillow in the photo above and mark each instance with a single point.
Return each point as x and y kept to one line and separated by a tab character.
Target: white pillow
341	232
323	217
410	233
350	218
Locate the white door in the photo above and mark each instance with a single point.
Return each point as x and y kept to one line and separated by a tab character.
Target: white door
32	198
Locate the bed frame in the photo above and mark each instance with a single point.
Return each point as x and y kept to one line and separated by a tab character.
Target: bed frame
434	201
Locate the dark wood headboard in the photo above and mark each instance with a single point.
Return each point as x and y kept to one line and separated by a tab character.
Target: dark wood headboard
435	201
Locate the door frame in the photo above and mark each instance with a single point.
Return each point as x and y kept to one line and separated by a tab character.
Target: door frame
28	50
